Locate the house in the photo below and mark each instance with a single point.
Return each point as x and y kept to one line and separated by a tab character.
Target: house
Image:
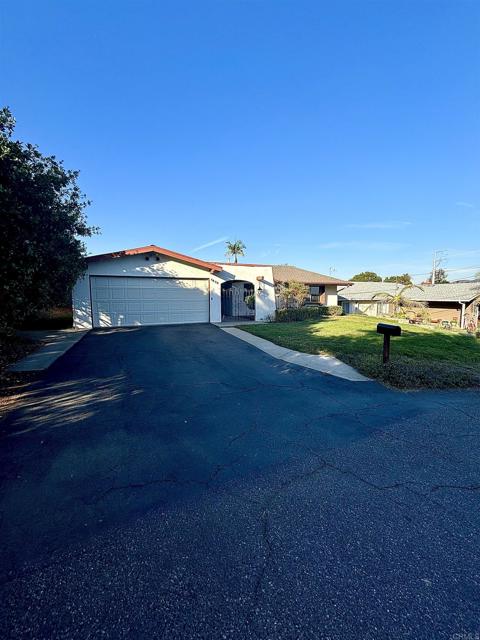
453	302
151	285
362	298
321	289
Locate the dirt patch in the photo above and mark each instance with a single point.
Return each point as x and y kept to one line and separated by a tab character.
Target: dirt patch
13	385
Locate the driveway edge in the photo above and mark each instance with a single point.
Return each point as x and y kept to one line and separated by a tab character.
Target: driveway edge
55	344
325	364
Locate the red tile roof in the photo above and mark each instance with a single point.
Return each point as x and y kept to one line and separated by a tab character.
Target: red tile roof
152	248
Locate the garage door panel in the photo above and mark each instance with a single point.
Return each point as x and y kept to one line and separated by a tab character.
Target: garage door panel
132	294
117	293
116	307
133	307
138	301
102	293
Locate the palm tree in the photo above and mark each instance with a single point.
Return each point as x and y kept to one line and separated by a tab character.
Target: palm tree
235	249
399	300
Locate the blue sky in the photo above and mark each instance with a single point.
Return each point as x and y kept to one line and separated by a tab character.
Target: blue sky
337	135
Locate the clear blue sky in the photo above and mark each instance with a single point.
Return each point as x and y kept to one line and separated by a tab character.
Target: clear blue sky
323	134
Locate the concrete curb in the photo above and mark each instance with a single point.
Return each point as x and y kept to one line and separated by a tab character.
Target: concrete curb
55	344
325	364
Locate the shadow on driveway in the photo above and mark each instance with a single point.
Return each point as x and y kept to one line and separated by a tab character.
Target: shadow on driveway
190	458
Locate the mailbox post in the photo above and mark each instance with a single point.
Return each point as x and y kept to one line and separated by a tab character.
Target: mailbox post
388	330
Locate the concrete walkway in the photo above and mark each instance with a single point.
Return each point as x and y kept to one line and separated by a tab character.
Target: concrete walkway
54	344
238	323
325	364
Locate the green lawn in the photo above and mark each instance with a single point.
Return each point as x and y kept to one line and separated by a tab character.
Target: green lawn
421	357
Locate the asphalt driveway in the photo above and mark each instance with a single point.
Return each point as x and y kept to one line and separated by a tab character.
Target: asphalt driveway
175	482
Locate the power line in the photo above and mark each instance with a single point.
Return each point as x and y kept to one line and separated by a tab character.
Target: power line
437	261
427	273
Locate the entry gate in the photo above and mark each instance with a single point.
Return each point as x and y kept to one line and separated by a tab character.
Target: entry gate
234	305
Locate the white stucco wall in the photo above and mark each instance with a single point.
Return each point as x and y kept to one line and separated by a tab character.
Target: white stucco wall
81	304
264	290
127	266
138	266
166	267
331	295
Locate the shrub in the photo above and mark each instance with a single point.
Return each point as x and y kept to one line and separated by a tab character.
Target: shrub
56	318
250	301
292	294
306	313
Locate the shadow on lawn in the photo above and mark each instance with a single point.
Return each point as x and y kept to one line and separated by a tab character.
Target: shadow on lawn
419	359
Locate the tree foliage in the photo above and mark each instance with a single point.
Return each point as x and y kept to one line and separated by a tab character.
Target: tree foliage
235	249
366	276
440	276
292	294
405	278
41	226
400	300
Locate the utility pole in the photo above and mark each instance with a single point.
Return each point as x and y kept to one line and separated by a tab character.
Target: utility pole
437	262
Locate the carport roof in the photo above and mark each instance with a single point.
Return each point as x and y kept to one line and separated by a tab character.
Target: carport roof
152	248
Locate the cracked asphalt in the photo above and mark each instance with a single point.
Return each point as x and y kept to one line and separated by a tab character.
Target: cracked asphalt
175	482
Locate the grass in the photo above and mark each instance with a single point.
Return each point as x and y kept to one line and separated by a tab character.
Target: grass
421	358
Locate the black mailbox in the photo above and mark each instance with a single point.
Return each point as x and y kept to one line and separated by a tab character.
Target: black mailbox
388	330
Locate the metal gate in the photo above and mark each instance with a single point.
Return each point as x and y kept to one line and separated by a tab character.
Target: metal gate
235	303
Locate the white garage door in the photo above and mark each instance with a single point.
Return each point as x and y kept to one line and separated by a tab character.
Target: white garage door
122	301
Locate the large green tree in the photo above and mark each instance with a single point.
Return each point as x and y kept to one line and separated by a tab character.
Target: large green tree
366	276
42	223
405	278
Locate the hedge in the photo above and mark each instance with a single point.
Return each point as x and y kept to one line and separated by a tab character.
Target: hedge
56	318
306	313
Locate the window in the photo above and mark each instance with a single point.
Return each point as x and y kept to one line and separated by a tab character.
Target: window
315	292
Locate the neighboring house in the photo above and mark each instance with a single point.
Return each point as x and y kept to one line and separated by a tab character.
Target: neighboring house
455	302
321	289
361	298
150	285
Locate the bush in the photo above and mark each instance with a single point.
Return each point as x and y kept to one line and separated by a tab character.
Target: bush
42	223
306	313
56	318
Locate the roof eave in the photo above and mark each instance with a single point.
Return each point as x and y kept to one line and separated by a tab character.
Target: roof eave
209	266
338	283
